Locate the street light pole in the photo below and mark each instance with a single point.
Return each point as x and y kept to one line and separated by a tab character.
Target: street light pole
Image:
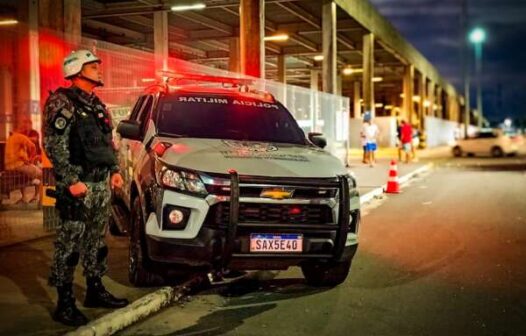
478	69
465	67
477	37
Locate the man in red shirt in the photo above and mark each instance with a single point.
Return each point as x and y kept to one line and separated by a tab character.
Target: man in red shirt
406	136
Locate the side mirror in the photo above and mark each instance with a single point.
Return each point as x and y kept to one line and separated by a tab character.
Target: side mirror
129	129
317	139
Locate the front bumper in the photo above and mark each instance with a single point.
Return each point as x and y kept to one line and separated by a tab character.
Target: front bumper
228	245
205	251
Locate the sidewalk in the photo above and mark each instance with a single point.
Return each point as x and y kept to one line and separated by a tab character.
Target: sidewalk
371	178
17	226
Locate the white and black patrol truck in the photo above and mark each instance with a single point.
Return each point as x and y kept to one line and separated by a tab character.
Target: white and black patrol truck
223	178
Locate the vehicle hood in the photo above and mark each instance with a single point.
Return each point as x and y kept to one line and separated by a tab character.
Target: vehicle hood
251	158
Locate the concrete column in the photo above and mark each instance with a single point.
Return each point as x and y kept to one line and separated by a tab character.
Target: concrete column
233	59
314	79
339	85
252	32
282	78
6	102
160	39
368	74
440	106
422	94
329	46
314	86
282	69
26	78
431	98
357	95
72	21
51	14
408	105
34	65
446	108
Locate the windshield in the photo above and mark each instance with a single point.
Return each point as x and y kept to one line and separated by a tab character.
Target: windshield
224	117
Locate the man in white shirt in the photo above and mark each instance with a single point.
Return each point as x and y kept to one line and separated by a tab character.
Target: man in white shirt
370	131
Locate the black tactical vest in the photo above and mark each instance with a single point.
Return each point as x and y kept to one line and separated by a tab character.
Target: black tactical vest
90	139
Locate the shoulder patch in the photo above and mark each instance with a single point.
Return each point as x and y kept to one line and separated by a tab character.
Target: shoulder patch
60	123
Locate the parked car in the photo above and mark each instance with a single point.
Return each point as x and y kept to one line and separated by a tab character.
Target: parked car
224	178
487	142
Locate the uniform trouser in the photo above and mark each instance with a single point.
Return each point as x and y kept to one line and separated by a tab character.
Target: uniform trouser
83	239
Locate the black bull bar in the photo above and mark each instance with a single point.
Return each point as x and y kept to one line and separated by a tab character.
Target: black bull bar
343	216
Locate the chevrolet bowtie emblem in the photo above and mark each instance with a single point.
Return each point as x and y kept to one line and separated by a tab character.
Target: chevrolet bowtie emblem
277	193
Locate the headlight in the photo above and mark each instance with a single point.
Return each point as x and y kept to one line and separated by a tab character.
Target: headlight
182	180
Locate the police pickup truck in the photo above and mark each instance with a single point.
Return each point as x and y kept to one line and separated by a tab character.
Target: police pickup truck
223	178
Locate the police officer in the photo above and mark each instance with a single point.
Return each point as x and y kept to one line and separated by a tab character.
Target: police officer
78	140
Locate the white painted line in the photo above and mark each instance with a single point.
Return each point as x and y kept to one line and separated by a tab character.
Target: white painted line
402	180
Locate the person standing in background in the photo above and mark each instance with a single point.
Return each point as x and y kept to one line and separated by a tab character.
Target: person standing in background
371	135
406	137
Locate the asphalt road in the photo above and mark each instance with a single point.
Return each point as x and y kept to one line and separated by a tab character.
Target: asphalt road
444	257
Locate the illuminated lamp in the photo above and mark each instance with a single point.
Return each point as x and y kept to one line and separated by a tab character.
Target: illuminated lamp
182	8
161	147
276	38
175	217
347	71
295	210
8	22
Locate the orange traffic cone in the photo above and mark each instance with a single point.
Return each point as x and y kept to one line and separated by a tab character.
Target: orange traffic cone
392	183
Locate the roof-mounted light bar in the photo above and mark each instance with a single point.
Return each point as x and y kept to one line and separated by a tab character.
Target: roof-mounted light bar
169	76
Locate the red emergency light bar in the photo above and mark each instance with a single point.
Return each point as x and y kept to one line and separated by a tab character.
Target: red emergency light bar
242	84
174	76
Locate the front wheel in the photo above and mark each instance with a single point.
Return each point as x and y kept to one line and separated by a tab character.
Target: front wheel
457	152
326	274
139	264
497	152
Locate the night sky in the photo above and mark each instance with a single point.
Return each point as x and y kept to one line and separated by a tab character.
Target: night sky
434	28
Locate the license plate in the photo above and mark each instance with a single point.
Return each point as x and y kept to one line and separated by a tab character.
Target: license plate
277	243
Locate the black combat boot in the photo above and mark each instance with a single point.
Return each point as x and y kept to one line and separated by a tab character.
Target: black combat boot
98	296
67	312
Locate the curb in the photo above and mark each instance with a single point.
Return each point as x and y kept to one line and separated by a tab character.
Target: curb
402	180
137	310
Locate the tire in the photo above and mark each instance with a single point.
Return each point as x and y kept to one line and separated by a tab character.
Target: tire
457	151
497	152
139	265
326	274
